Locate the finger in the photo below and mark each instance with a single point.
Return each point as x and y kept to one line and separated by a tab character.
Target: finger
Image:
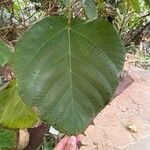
80	137
62	144
72	143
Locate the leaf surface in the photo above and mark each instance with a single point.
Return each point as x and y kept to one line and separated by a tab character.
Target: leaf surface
13	112
90	9
68	72
5	53
7	139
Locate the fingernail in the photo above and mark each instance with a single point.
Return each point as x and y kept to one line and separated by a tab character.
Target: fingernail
72	141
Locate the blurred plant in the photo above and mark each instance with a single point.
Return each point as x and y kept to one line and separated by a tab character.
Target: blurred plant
128	16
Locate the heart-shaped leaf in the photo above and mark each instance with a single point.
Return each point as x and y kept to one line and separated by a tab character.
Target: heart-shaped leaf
5	53
7	139
69	72
13	112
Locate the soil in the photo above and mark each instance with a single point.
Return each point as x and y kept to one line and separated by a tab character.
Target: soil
36	136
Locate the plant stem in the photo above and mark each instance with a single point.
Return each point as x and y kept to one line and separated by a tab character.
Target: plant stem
138	34
21	13
124	19
69	12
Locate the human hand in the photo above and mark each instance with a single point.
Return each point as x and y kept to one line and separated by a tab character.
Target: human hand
68	143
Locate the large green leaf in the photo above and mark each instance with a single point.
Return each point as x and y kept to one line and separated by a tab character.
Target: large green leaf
5	53
7	139
13	112
68	72
90	9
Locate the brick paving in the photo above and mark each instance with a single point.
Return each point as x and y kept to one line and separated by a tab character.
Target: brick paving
124	124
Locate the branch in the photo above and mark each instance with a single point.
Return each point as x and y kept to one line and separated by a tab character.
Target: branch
124	19
4	2
12	27
145	16
31	16
23	17
138	34
12	13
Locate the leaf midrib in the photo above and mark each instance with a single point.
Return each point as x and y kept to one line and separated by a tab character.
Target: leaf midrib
70	61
